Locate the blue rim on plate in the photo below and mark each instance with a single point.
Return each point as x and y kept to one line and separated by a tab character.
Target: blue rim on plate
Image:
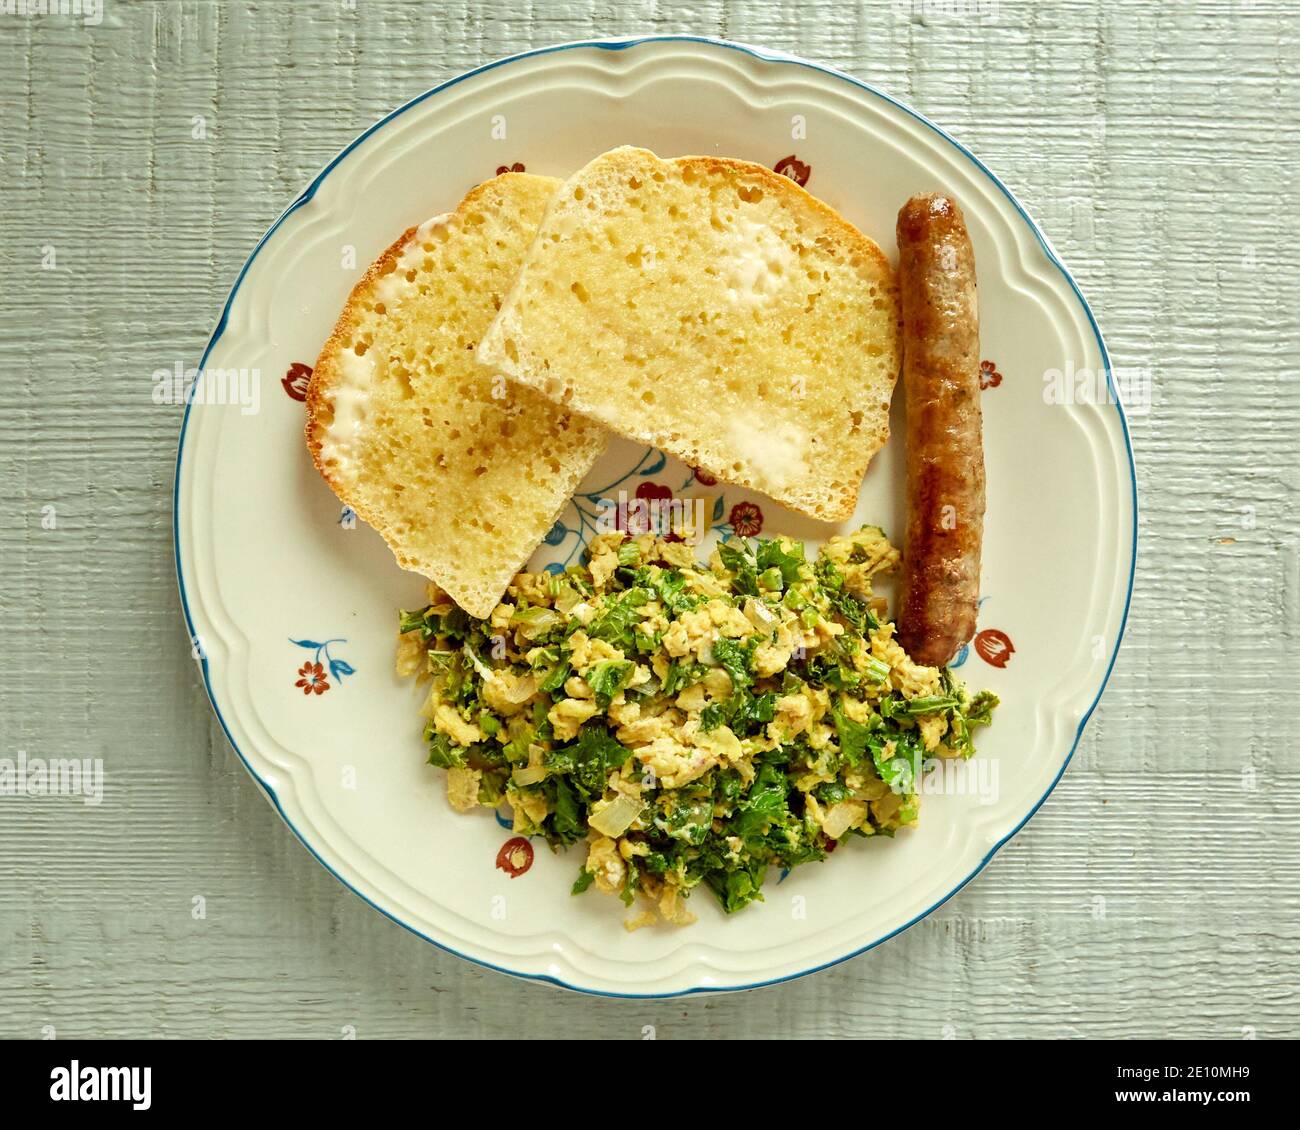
767	57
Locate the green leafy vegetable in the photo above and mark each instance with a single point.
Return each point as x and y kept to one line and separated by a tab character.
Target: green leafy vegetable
443	754
608	677
766	768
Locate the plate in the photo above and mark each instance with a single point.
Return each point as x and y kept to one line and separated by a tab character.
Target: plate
291	603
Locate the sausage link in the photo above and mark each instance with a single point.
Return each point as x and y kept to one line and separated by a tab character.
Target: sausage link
945	452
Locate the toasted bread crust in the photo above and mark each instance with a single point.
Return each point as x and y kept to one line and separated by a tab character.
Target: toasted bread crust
323	371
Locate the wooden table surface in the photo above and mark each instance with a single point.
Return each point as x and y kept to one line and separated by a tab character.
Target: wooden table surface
141	157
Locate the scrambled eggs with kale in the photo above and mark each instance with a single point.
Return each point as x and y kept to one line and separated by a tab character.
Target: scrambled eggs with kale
692	724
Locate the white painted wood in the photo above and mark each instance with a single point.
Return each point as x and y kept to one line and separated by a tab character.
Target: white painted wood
1157	145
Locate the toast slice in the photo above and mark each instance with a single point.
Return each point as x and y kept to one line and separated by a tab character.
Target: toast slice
714	309
462	473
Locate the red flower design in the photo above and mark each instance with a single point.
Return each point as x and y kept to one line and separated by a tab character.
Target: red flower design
994	647
295	381
796	170
703	477
515	857
746	519
989	375
312	679
517	167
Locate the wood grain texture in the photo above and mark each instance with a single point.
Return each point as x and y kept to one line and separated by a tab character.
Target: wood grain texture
1156	143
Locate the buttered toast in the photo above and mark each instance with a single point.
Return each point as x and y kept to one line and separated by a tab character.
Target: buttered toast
714	309
460	472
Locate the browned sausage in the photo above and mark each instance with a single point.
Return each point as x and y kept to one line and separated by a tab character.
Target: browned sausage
945	450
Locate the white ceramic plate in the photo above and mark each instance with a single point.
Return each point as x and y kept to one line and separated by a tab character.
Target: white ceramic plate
274	578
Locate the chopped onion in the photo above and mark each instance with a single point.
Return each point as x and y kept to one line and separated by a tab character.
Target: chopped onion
613	818
843	816
529	774
519	689
567	598
758	613
533	623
